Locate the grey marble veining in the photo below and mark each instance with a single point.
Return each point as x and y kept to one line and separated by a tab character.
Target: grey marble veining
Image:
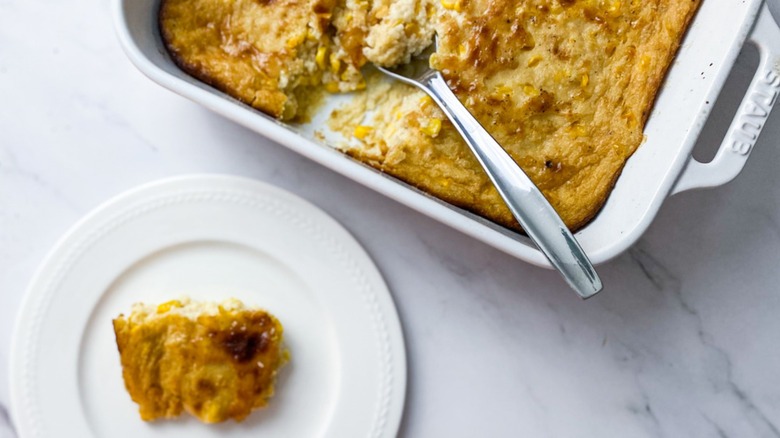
6	424
6	427
682	342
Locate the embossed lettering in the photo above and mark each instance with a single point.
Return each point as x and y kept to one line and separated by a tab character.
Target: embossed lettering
755	108
750	129
772	79
741	147
755	112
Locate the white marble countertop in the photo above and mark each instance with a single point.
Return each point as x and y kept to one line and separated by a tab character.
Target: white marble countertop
684	341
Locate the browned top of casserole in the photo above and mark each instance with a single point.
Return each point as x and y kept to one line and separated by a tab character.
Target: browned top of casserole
215	361
564	85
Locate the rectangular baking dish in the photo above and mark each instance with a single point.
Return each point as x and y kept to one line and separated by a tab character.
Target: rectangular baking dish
661	167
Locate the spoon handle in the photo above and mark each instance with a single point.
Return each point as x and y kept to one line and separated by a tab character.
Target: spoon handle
528	205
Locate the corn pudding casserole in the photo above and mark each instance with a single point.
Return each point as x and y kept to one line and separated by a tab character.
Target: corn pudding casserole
215	361
565	86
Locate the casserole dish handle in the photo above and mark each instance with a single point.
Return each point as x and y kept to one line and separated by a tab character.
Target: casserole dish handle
750	118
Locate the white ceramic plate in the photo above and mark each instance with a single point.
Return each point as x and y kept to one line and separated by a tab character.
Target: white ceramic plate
210	237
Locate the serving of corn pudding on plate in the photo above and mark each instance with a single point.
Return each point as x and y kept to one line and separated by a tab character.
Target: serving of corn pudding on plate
208	306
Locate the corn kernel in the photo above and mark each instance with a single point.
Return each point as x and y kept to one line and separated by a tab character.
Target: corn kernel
585	80
534	60
461	50
644	62
576	130
453	5
614	9
503	90
411	28
560	75
425	102
361	131
335	63
295	41
322	53
316	78
630	118
432	128
332	87
164	307
530	90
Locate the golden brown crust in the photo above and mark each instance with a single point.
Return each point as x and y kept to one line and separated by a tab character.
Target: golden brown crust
259	51
215	367
564	85
195	38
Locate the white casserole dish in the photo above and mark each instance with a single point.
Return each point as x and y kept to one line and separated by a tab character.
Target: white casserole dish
662	166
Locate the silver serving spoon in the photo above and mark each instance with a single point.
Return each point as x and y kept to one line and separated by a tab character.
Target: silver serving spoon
528	205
